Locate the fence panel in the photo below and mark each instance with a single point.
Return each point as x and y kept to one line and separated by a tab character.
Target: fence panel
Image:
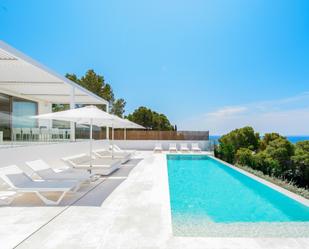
119	134
160	135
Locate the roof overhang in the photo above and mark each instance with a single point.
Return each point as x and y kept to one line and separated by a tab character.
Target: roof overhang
25	77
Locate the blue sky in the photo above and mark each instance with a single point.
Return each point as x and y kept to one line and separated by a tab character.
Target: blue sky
208	65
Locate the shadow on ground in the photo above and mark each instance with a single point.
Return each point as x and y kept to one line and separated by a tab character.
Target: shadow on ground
93	194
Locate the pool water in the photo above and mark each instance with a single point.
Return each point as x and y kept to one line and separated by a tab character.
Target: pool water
206	195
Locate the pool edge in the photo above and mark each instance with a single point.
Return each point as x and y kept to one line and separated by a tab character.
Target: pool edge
271	185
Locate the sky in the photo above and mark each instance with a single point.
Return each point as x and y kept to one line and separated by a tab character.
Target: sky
207	65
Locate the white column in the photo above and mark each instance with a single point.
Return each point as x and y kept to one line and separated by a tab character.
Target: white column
107	132
44	107
107	128
72	106
90	152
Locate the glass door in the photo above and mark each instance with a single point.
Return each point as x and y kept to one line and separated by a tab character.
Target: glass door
5	116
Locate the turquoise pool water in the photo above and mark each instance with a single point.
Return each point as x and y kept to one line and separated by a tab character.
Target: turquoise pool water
205	192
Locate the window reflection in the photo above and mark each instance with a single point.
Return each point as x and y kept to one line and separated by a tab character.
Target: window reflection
16	113
5	117
22	112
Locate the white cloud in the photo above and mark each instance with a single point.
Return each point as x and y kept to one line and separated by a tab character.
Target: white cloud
228	111
288	116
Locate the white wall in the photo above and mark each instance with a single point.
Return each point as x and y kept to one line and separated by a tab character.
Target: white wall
149	144
52	153
44	107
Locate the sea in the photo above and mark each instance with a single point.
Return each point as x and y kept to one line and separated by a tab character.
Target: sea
292	139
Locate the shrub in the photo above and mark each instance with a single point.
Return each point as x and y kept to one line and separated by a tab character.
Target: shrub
245	157
274	155
289	185
267	138
301	163
265	163
240	138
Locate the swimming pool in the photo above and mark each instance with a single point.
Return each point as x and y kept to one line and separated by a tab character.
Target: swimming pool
209	198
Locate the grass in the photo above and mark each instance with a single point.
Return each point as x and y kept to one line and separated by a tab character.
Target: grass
280	182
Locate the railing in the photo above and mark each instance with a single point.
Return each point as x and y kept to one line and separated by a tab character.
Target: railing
40	134
58	134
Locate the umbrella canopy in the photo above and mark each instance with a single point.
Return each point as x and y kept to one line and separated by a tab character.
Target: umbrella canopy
127	124
121	123
81	115
85	115
90	115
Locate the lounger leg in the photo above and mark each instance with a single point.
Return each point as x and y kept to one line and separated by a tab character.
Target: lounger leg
48	201
74	190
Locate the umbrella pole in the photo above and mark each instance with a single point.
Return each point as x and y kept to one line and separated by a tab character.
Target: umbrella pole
90	145
112	140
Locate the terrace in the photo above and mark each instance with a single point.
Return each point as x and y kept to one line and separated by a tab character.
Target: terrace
128	209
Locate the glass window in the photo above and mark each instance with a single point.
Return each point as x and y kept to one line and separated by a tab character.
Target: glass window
5	118
22	112
58	123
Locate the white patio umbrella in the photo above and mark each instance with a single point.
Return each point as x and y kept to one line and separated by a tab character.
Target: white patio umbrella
120	123
90	115
127	124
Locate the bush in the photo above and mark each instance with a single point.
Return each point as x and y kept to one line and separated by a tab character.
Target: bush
267	138
301	163
274	155
245	157
265	163
240	138
289	185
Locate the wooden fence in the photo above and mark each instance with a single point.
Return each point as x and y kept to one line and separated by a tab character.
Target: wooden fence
119	134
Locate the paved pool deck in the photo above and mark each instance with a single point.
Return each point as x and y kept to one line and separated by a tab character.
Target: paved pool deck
129	209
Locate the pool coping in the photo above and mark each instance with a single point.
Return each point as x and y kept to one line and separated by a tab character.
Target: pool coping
281	190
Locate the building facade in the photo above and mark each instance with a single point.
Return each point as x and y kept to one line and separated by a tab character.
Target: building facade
28	88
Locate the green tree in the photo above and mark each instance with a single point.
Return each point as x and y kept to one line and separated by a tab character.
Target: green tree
301	163
150	119
60	107
273	155
244	157
267	138
97	84
280	150
265	163
118	107
240	138
142	116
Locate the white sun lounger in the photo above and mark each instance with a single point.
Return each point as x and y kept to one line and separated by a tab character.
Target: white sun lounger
158	147
6	197
21	183
116	148
122	156
184	147
99	166
172	147
195	147
44	171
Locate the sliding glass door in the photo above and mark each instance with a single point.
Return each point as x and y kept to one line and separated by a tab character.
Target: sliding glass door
22	112
5	116
16	113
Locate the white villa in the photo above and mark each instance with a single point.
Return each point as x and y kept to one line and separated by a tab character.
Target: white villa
28	88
